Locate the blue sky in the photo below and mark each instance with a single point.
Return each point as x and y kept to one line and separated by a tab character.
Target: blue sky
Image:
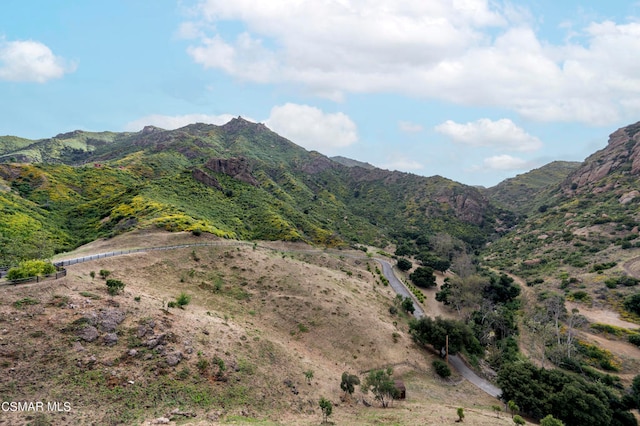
473	90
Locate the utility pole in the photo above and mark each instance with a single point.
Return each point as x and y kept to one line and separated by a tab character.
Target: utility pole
446	357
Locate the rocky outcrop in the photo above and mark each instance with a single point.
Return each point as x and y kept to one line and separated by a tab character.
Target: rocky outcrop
621	155
237	168
205	178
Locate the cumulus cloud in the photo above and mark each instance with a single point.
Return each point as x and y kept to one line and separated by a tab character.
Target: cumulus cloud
27	60
503	134
471	52
170	122
505	162
312	128
409	127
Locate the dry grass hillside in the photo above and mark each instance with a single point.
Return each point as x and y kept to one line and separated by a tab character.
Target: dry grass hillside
258	319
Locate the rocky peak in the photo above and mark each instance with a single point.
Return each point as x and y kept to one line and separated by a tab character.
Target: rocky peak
621	155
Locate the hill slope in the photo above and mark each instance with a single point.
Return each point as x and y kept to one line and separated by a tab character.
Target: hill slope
257	320
240	180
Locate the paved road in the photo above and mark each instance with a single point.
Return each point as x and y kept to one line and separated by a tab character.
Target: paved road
454	360
387	270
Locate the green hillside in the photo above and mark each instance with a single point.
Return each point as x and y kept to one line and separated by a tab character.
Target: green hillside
240	180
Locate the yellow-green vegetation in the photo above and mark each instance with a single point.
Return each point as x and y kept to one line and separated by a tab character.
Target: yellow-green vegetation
30	268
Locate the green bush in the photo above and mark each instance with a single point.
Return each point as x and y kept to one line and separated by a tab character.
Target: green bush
30	268
183	300
114	286
441	367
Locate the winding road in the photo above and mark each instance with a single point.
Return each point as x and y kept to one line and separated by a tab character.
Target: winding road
454	360
387	270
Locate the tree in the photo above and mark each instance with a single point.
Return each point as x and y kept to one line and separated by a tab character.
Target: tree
549	420
326	407
423	277
501	289
518	420
308	375
348	383
407	305
435	331
513	407
404	264
382	385
460	412
462	294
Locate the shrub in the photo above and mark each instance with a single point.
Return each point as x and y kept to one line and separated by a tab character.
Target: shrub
635	339
183	300
104	273
114	286
441	367
30	268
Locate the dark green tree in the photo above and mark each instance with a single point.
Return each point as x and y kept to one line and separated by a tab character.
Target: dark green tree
404	264
348	383
407	305
423	277
434	332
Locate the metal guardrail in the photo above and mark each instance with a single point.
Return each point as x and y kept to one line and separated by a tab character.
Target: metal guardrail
139	250
58	274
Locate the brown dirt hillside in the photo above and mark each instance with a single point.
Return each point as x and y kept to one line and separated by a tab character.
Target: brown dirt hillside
257	319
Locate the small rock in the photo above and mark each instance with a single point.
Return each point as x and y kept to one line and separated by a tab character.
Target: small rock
88	333
161	421
173	358
110	339
132	352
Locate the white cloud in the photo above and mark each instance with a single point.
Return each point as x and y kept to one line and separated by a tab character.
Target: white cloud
409	127
170	122
312	128
503	134
30	61
505	162
469	52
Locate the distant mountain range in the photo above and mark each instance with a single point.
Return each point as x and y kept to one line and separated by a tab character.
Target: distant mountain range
241	180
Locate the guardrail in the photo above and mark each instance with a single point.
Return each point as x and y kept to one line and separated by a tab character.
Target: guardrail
139	250
58	274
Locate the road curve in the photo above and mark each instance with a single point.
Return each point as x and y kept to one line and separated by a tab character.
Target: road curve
454	360
387	270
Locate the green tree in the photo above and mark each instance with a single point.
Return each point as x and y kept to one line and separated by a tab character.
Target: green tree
441	367
513	407
404	264
382	385
423	277
326	407
549	420
407	305
460	412
348	383
518	420
434	332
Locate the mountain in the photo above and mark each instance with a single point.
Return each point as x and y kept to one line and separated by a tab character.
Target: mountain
588	219
352	163
524	192
239	180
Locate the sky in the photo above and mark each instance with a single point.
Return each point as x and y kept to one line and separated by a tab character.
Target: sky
473	90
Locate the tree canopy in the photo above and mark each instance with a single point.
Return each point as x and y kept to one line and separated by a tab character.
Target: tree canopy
423	277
